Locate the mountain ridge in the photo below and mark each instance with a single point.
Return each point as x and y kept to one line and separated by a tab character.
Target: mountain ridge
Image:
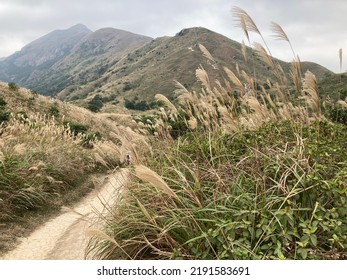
122	65
153	68
47	64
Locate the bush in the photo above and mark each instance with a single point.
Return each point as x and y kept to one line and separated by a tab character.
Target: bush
136	105
337	113
54	110
76	128
127	87
4	116
13	86
2	102
95	104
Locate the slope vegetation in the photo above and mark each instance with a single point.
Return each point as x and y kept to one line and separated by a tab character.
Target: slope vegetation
48	151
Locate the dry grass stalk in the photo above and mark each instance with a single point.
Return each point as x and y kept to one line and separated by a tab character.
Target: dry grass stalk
245	21
264	55
244	51
247	24
207	54
146	213
296	75
149	176
96	233
342	103
192	123
234	79
180	89
166	101
310	93
281	35
279	32
202	76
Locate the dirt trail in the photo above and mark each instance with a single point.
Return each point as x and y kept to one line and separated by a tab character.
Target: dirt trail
64	237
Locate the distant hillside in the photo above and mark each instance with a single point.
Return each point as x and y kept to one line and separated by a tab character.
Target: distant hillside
116	66
334	86
33	60
153	68
68	57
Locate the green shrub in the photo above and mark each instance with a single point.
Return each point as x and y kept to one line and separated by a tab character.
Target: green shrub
53	110
4	116
2	102
337	113
136	105
76	128
127	86
13	86
95	104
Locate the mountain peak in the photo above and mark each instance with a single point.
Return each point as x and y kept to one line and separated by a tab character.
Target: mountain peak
195	30
80	28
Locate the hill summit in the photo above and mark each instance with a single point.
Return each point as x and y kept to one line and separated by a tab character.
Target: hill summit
78	64
65	57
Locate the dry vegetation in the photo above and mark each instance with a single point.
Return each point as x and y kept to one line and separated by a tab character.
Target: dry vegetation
48	152
243	169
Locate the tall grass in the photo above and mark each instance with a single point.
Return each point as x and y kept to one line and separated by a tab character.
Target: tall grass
253	172
249	196
48	150
40	160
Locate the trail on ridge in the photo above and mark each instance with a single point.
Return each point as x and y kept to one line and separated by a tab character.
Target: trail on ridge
64	237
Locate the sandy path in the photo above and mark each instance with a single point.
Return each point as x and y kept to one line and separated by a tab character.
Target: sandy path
64	237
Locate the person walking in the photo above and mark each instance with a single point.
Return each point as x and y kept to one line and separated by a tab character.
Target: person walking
128	158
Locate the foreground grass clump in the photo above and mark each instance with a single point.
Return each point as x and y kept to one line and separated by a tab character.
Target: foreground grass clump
41	161
272	193
44	165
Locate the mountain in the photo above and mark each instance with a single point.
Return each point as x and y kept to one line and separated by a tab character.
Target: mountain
116	66
153	68
35	58
66	57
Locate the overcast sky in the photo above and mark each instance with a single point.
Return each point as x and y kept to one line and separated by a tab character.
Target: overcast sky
316	28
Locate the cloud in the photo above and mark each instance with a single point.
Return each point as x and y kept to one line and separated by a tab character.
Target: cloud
315	27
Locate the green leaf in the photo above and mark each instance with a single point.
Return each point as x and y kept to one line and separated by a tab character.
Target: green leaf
313	238
313	229
280	255
258	233
303	253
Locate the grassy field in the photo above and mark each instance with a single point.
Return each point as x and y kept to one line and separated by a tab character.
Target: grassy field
239	170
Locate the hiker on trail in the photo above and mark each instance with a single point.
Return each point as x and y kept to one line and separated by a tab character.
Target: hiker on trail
128	158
